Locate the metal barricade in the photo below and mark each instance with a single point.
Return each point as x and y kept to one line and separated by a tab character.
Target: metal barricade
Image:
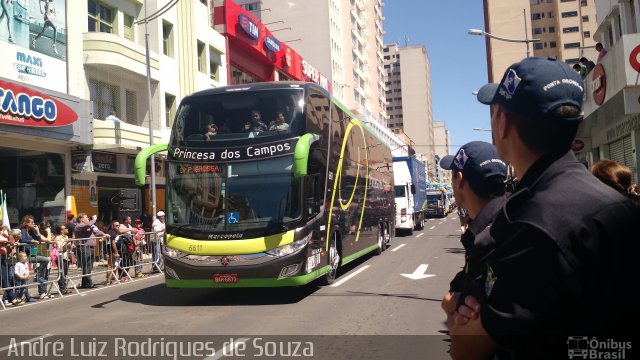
75	262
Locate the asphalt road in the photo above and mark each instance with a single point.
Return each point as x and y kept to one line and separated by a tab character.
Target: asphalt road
370	297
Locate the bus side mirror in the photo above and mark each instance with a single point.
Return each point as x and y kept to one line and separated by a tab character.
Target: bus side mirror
413	189
141	161
301	154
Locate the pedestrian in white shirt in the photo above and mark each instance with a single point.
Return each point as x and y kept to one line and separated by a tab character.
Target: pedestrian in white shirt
156	241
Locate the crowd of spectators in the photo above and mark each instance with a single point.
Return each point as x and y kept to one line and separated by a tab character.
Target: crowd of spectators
30	253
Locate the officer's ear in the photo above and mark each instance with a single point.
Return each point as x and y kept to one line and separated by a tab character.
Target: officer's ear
501	123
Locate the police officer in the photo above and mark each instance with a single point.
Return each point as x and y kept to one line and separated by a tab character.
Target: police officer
477	179
564	241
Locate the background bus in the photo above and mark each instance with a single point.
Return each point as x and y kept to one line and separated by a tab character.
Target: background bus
253	202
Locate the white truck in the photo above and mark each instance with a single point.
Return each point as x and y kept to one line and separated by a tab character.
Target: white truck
410	190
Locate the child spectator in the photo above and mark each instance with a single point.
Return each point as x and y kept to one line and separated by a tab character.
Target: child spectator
601	52
587	63
63	246
139	243
22	275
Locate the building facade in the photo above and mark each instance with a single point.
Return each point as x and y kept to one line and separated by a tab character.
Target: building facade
408	92
96	67
611	129
565	29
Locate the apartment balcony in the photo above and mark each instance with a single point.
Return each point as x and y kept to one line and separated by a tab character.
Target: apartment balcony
618	89
110	52
124	137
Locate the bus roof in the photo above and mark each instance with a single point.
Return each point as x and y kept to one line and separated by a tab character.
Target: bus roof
260	86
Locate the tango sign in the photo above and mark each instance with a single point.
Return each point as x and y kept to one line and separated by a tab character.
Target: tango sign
22	106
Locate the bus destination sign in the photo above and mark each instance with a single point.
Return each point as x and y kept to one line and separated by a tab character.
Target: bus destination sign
238	153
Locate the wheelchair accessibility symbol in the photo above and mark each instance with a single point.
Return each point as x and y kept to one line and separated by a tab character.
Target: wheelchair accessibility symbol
233	217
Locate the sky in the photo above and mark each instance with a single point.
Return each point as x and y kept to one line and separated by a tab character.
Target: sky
458	60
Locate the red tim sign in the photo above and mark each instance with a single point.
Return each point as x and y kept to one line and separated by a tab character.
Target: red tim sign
22	106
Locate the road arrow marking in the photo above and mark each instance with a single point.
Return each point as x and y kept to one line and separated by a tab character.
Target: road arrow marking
419	235
431	228
419	273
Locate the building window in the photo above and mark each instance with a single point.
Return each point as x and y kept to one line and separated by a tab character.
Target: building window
131	107
566	0
535	2
552	44
567	14
572	45
570	29
552	29
252	6
167	38
537	46
128	27
586	34
100	17
215	61
536	16
105	98
169	109
585	18
537	31
583	3
551	16
202	58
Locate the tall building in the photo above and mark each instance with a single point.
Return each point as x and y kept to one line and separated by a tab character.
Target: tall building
565	29
408	83
442	138
343	39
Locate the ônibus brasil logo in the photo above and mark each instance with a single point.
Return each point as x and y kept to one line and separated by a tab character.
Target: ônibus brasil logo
22	106
583	347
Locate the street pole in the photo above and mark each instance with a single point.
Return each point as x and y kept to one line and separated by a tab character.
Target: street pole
153	165
526	33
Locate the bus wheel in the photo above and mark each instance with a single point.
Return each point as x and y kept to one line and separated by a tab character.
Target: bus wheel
381	241
334	261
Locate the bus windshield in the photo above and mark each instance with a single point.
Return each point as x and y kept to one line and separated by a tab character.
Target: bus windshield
400	190
203	120
233	197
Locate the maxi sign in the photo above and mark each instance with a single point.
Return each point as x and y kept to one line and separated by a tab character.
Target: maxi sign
22	106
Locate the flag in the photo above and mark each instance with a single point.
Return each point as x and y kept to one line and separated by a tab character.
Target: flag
4	215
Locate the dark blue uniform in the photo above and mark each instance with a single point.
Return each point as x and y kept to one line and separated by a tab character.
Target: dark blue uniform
562	264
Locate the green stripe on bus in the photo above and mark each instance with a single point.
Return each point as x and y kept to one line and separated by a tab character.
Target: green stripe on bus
256	282
230	247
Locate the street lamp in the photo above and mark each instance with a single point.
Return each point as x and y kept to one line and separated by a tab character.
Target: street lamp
481	129
525	40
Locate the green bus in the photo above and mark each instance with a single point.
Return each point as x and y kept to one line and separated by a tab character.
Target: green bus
270	184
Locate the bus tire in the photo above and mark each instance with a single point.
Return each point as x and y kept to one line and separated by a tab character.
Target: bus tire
381	241
334	261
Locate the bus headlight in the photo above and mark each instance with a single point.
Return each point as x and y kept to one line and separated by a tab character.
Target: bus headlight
290	248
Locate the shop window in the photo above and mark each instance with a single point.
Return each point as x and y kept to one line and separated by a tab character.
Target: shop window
167	38
105	98
101	17
33	182
169	109
202	58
